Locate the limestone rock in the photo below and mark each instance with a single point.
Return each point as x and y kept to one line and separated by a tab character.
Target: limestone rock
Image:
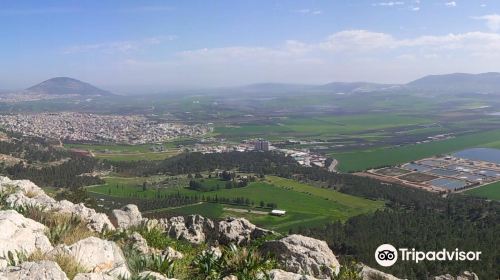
278	274
22	193
230	277
95	221
216	251
127	216
239	231
368	273
93	276
139	243
25	193
99	255
21	235
154	275
194	228
466	275
43	270
303	255
172	254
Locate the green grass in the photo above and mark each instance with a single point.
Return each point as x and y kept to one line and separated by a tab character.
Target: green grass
491	191
362	160
122	152
306	205
328	126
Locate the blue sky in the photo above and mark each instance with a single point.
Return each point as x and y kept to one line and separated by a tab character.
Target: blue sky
170	44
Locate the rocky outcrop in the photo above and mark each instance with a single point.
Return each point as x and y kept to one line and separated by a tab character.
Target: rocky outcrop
194	228
97	255
239	231
197	229
43	270
466	275
368	273
127	216
278	274
95	221
21	235
303	255
93	276
23	193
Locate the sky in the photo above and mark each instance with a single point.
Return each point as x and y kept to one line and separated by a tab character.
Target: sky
138	45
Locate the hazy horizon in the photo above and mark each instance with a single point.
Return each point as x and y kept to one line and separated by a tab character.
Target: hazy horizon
171	45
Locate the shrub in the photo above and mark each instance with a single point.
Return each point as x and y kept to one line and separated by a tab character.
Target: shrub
349	271
66	229
138	262
244	263
66	262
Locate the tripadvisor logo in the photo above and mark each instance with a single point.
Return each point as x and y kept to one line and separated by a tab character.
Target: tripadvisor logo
387	255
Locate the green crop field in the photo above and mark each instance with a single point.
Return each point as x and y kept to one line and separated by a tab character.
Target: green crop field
362	160
328	126
306	205
491	191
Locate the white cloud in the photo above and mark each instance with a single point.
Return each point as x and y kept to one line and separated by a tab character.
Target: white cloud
415	9
492	21
309	12
146	9
450	4
117	46
346	55
389	4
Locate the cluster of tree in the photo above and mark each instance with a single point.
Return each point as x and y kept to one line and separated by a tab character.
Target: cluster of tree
64	175
252	162
76	195
32	149
466	223
170	200
201	186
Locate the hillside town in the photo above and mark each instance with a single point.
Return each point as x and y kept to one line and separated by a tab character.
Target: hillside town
83	127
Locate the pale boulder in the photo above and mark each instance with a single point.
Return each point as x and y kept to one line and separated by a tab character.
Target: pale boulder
21	235
127	216
368	273
99	255
303	255
94	276
154	275
43	270
278	274
194	228
239	231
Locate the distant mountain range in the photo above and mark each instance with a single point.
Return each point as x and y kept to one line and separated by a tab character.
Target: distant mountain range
485	83
66	86
460	82
455	83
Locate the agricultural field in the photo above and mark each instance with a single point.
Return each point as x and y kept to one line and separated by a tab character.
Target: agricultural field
491	191
320	127
367	159
306	205
119	152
